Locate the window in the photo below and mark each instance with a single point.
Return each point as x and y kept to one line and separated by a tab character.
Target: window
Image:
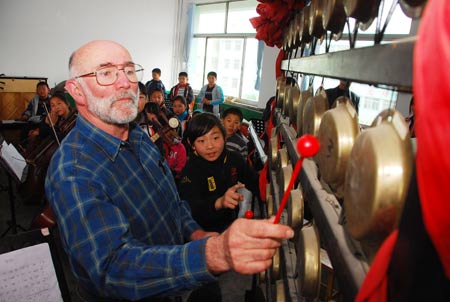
223	41
373	100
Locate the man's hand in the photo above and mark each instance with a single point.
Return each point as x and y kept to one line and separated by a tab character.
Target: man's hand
247	246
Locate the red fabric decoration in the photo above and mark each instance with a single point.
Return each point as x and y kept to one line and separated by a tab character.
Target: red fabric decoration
274	16
278	71
431	78
263	182
374	287
432	106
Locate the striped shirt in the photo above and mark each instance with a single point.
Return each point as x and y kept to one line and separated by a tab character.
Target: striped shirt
122	222
238	143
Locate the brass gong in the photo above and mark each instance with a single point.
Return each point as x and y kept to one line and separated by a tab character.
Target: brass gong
280	295
292	33
315	19
269	201
281	83
334	17
314	109
282	161
308	262
285	177
294	98
377	177
287	92
275	267
362	10
297	32
285	43
290	81
295	208
270	206
282	158
337	133
304	96
262	277
273	152
413	8
304	25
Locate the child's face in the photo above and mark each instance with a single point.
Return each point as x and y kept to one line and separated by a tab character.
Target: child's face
182	80
157	97
142	101
210	145
152	117
178	107
211	80
232	123
155	76
42	91
59	106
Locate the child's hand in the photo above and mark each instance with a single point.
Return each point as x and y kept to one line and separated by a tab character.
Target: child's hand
231	198
33	133
53	116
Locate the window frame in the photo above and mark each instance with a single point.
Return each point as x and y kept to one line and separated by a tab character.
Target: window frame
225	35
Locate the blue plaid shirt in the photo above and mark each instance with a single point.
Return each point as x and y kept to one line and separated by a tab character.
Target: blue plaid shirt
122	222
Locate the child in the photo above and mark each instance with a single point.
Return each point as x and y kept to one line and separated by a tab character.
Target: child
210	178
182	88
60	113
151	124
209	183
179	108
211	95
166	138
143	99
155	83
232	121
157	97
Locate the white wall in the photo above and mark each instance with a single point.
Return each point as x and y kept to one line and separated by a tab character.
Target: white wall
37	37
268	78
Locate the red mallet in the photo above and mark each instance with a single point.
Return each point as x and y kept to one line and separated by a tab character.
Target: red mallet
249	214
307	146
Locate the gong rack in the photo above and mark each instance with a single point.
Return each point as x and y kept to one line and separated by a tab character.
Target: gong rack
347	258
380	65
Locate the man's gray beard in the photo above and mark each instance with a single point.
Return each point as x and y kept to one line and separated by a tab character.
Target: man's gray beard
104	110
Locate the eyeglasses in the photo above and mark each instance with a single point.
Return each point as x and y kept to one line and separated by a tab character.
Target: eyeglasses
108	75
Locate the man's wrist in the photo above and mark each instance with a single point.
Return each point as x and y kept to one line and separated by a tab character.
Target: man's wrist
215	255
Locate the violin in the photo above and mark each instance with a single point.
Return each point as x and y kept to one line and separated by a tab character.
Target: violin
38	159
165	128
168	132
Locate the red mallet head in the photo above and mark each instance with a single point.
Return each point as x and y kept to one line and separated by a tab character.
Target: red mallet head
308	145
249	214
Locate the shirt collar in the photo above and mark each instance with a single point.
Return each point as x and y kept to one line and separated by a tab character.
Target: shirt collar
108	143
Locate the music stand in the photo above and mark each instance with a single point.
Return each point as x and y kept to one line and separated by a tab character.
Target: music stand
12	223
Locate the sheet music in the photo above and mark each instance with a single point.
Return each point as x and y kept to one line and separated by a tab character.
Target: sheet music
13	159
28	274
